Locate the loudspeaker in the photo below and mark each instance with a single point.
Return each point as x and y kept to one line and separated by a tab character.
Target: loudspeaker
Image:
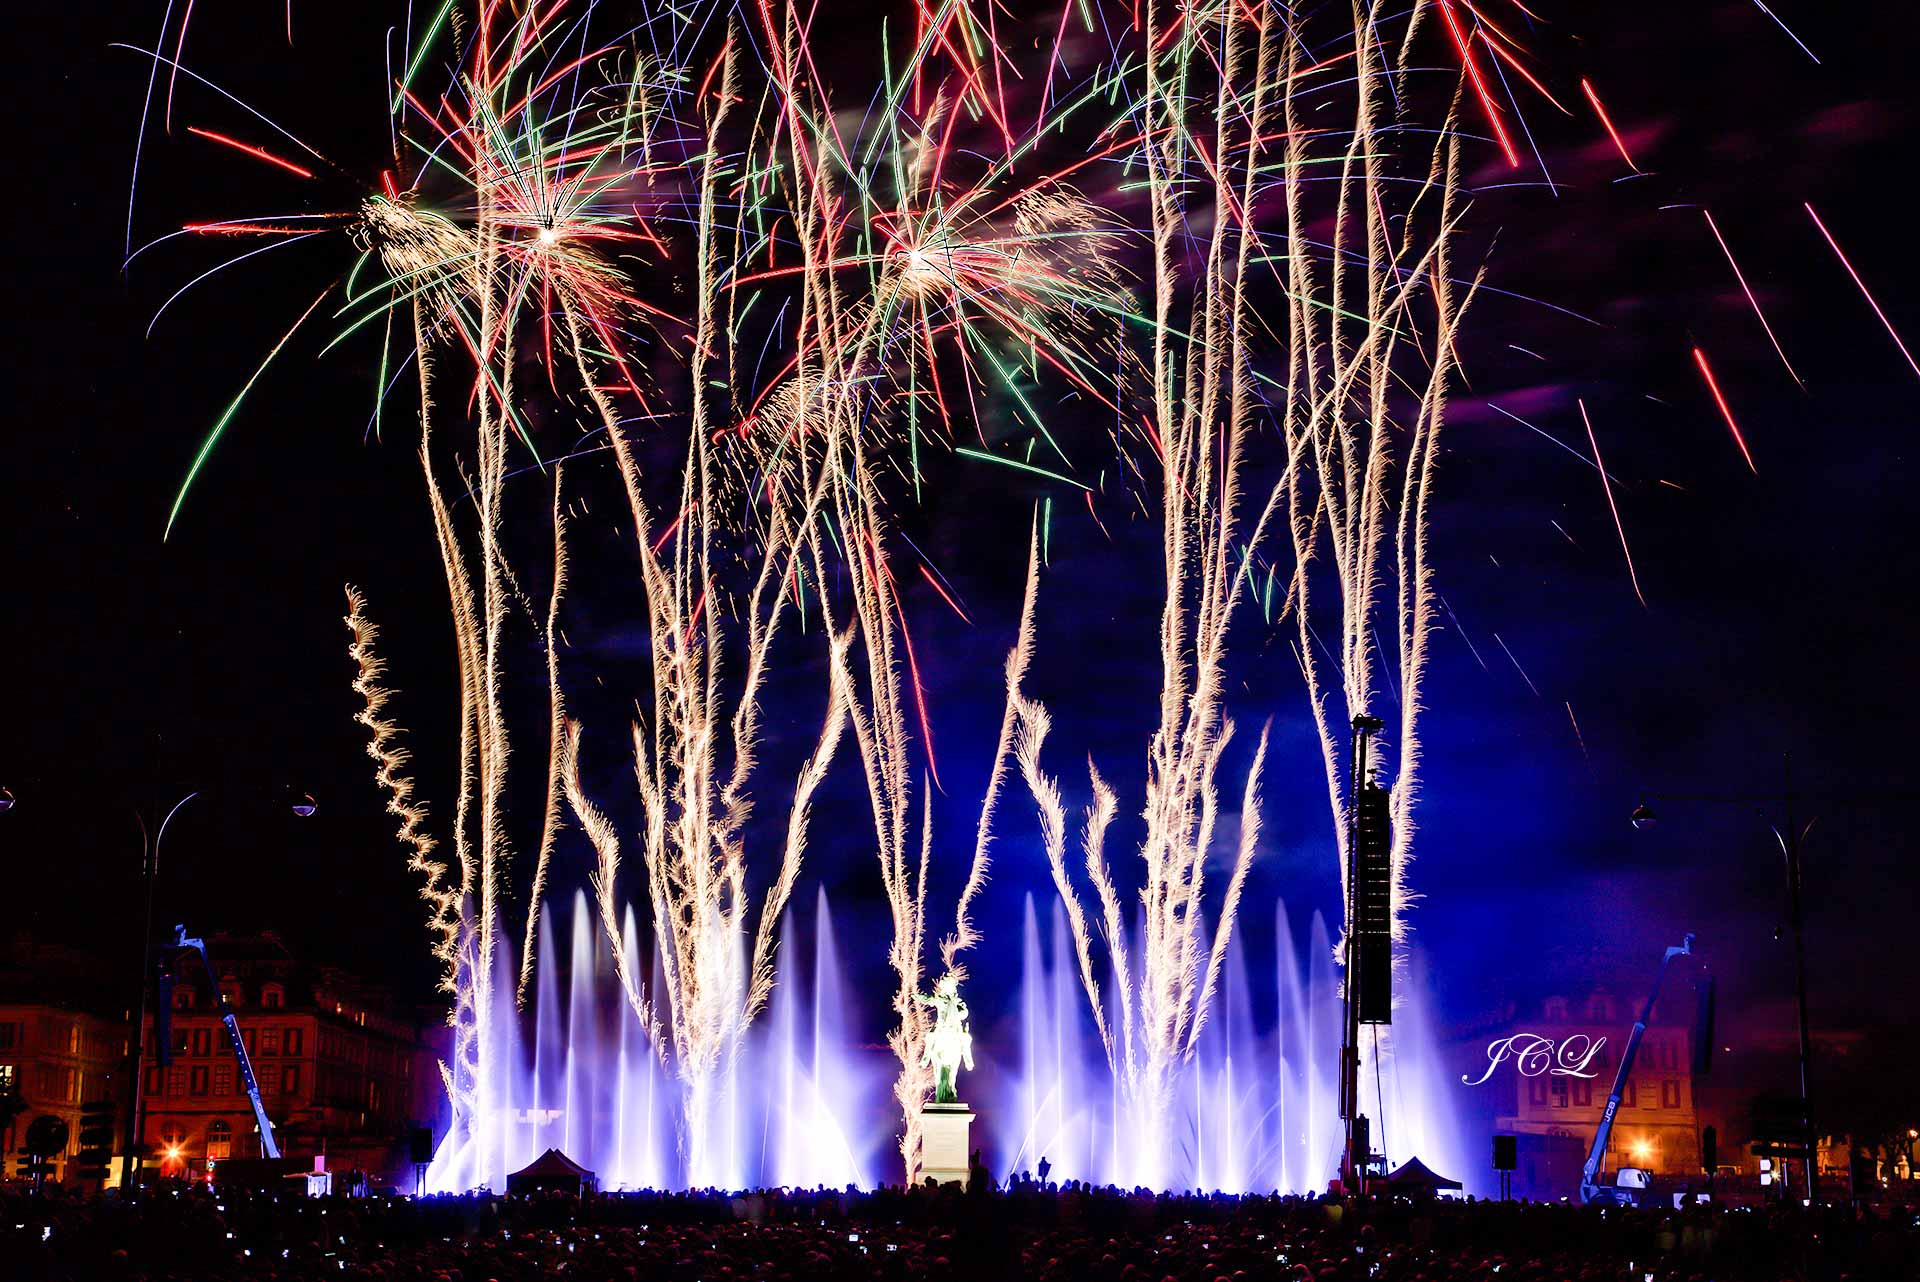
1703	1026
1506	1153
420	1145
1362	1140
1709	1149
1373	910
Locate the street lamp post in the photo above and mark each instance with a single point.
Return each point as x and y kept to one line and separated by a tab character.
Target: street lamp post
1643	818
136	1089
150	873
1791	848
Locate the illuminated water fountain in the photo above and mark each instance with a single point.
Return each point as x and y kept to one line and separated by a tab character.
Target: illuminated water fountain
1254	1110
808	1104
592	1085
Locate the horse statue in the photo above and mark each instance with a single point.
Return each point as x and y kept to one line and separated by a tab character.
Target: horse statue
949	1043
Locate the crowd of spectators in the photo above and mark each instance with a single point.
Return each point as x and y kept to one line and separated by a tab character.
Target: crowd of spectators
1042	1231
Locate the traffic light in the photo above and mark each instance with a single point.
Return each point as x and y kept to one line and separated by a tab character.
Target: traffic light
46	1137
96	1141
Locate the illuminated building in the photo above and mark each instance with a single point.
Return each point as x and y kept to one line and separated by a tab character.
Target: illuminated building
57	1051
343	1069
1549	1064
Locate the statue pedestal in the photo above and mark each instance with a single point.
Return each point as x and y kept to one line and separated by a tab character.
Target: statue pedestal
944	1146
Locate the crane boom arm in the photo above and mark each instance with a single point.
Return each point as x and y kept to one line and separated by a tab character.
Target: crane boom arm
269	1147
1590	1172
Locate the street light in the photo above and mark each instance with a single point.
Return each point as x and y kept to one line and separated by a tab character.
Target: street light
136	1085
1644	818
150	870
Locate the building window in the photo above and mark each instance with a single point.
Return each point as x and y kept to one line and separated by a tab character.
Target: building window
294	1041
9	1033
179	1041
56	1083
183	999
270	1042
230	989
1669	1094
273	997
198	1079
1630	1095
223	1079
1600	1009
1537	1092
177	1081
290	1080
153	1081
1559	1092
219	1140
9	1079
1582	1094
1556	1008
202	1041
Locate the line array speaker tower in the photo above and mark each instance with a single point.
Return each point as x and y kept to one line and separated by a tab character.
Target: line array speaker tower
1373	920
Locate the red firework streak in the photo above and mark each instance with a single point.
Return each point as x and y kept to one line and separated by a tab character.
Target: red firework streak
259	153
1706	372
944	596
1586	87
1479	85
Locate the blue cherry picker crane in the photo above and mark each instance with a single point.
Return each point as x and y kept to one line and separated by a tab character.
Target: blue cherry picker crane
269	1147
1630	1183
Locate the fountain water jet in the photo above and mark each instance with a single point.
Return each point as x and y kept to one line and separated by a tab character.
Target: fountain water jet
1252	1110
808	1104
593	1084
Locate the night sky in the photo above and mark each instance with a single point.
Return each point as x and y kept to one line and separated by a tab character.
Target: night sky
1778	612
